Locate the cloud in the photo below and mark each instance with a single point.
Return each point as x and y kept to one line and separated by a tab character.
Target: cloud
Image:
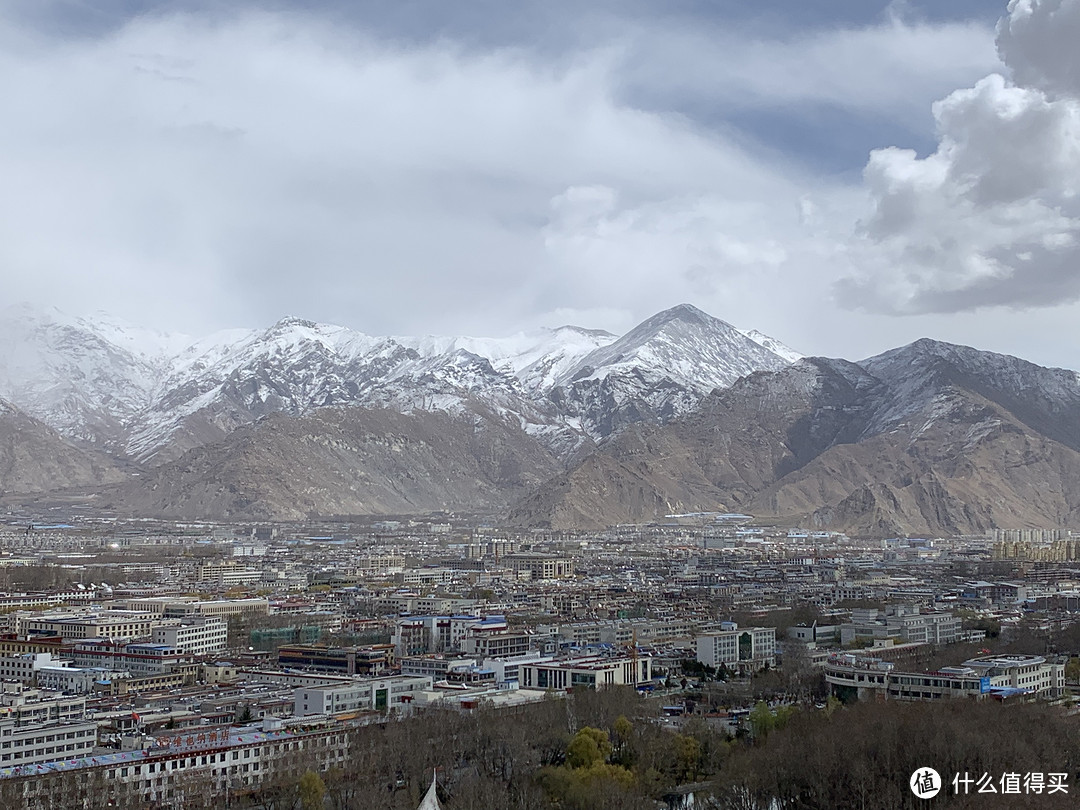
992	217
196	171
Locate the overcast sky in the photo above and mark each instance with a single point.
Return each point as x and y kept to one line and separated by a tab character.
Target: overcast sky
847	175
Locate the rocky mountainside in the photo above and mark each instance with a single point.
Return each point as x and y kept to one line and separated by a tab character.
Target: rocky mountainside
659	370
85	378
35	458
344	461
142	397
568	427
929	438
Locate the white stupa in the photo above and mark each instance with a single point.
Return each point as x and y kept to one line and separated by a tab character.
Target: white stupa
431	799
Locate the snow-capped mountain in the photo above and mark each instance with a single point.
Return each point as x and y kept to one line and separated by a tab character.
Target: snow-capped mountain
927	439
85	377
772	344
659	370
153	396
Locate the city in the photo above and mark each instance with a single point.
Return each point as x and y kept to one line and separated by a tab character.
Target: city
166	658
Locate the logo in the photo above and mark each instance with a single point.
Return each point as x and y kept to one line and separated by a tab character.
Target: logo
925	783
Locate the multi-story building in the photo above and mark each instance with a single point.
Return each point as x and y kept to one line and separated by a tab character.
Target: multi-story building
491	645
380	695
593	672
114	624
138	659
433	666
905	624
80	680
180	606
999	676
540	566
417	635
368	661
195	635
227	575
745	650
221	760
24	668
36	728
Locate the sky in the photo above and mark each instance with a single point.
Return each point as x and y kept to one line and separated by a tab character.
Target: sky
847	176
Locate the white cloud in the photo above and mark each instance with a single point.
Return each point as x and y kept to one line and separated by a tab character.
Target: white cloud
197	174
992	218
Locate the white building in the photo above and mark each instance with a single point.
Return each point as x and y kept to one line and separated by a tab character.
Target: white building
999	676
24	668
593	672
196	635
76	680
381	695
36	728
744	650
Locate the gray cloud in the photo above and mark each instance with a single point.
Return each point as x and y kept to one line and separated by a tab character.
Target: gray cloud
992	217
371	165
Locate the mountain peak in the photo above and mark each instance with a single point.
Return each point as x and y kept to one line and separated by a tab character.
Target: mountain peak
683	344
683	312
292	321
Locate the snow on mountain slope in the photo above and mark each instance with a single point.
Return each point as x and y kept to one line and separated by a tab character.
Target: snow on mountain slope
657	371
773	345
83	377
155	395
684	344
930	371
535	358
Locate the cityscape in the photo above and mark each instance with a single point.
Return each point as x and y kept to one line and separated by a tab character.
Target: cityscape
542	405
225	661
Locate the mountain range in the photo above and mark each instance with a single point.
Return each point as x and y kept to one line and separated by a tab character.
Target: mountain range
567	428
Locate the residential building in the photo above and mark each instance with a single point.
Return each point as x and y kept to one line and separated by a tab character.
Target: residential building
194	635
744	650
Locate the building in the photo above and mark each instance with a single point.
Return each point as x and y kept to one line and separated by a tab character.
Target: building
194	635
381	695
227	575
492	645
180	606
746	650
24	668
138	659
593	672
903	624
418	635
1000	676
221	759
374	660
540	566
116	625
433	666
81	680
36	728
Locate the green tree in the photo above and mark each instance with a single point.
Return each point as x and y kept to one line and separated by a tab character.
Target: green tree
312	791
589	747
762	720
1072	670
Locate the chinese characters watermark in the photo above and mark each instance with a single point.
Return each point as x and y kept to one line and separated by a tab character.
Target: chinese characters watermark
926	783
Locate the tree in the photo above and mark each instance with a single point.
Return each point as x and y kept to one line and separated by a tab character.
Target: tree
312	791
589	747
1072	670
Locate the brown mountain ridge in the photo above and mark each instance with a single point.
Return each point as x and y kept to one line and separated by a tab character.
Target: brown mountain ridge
927	439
